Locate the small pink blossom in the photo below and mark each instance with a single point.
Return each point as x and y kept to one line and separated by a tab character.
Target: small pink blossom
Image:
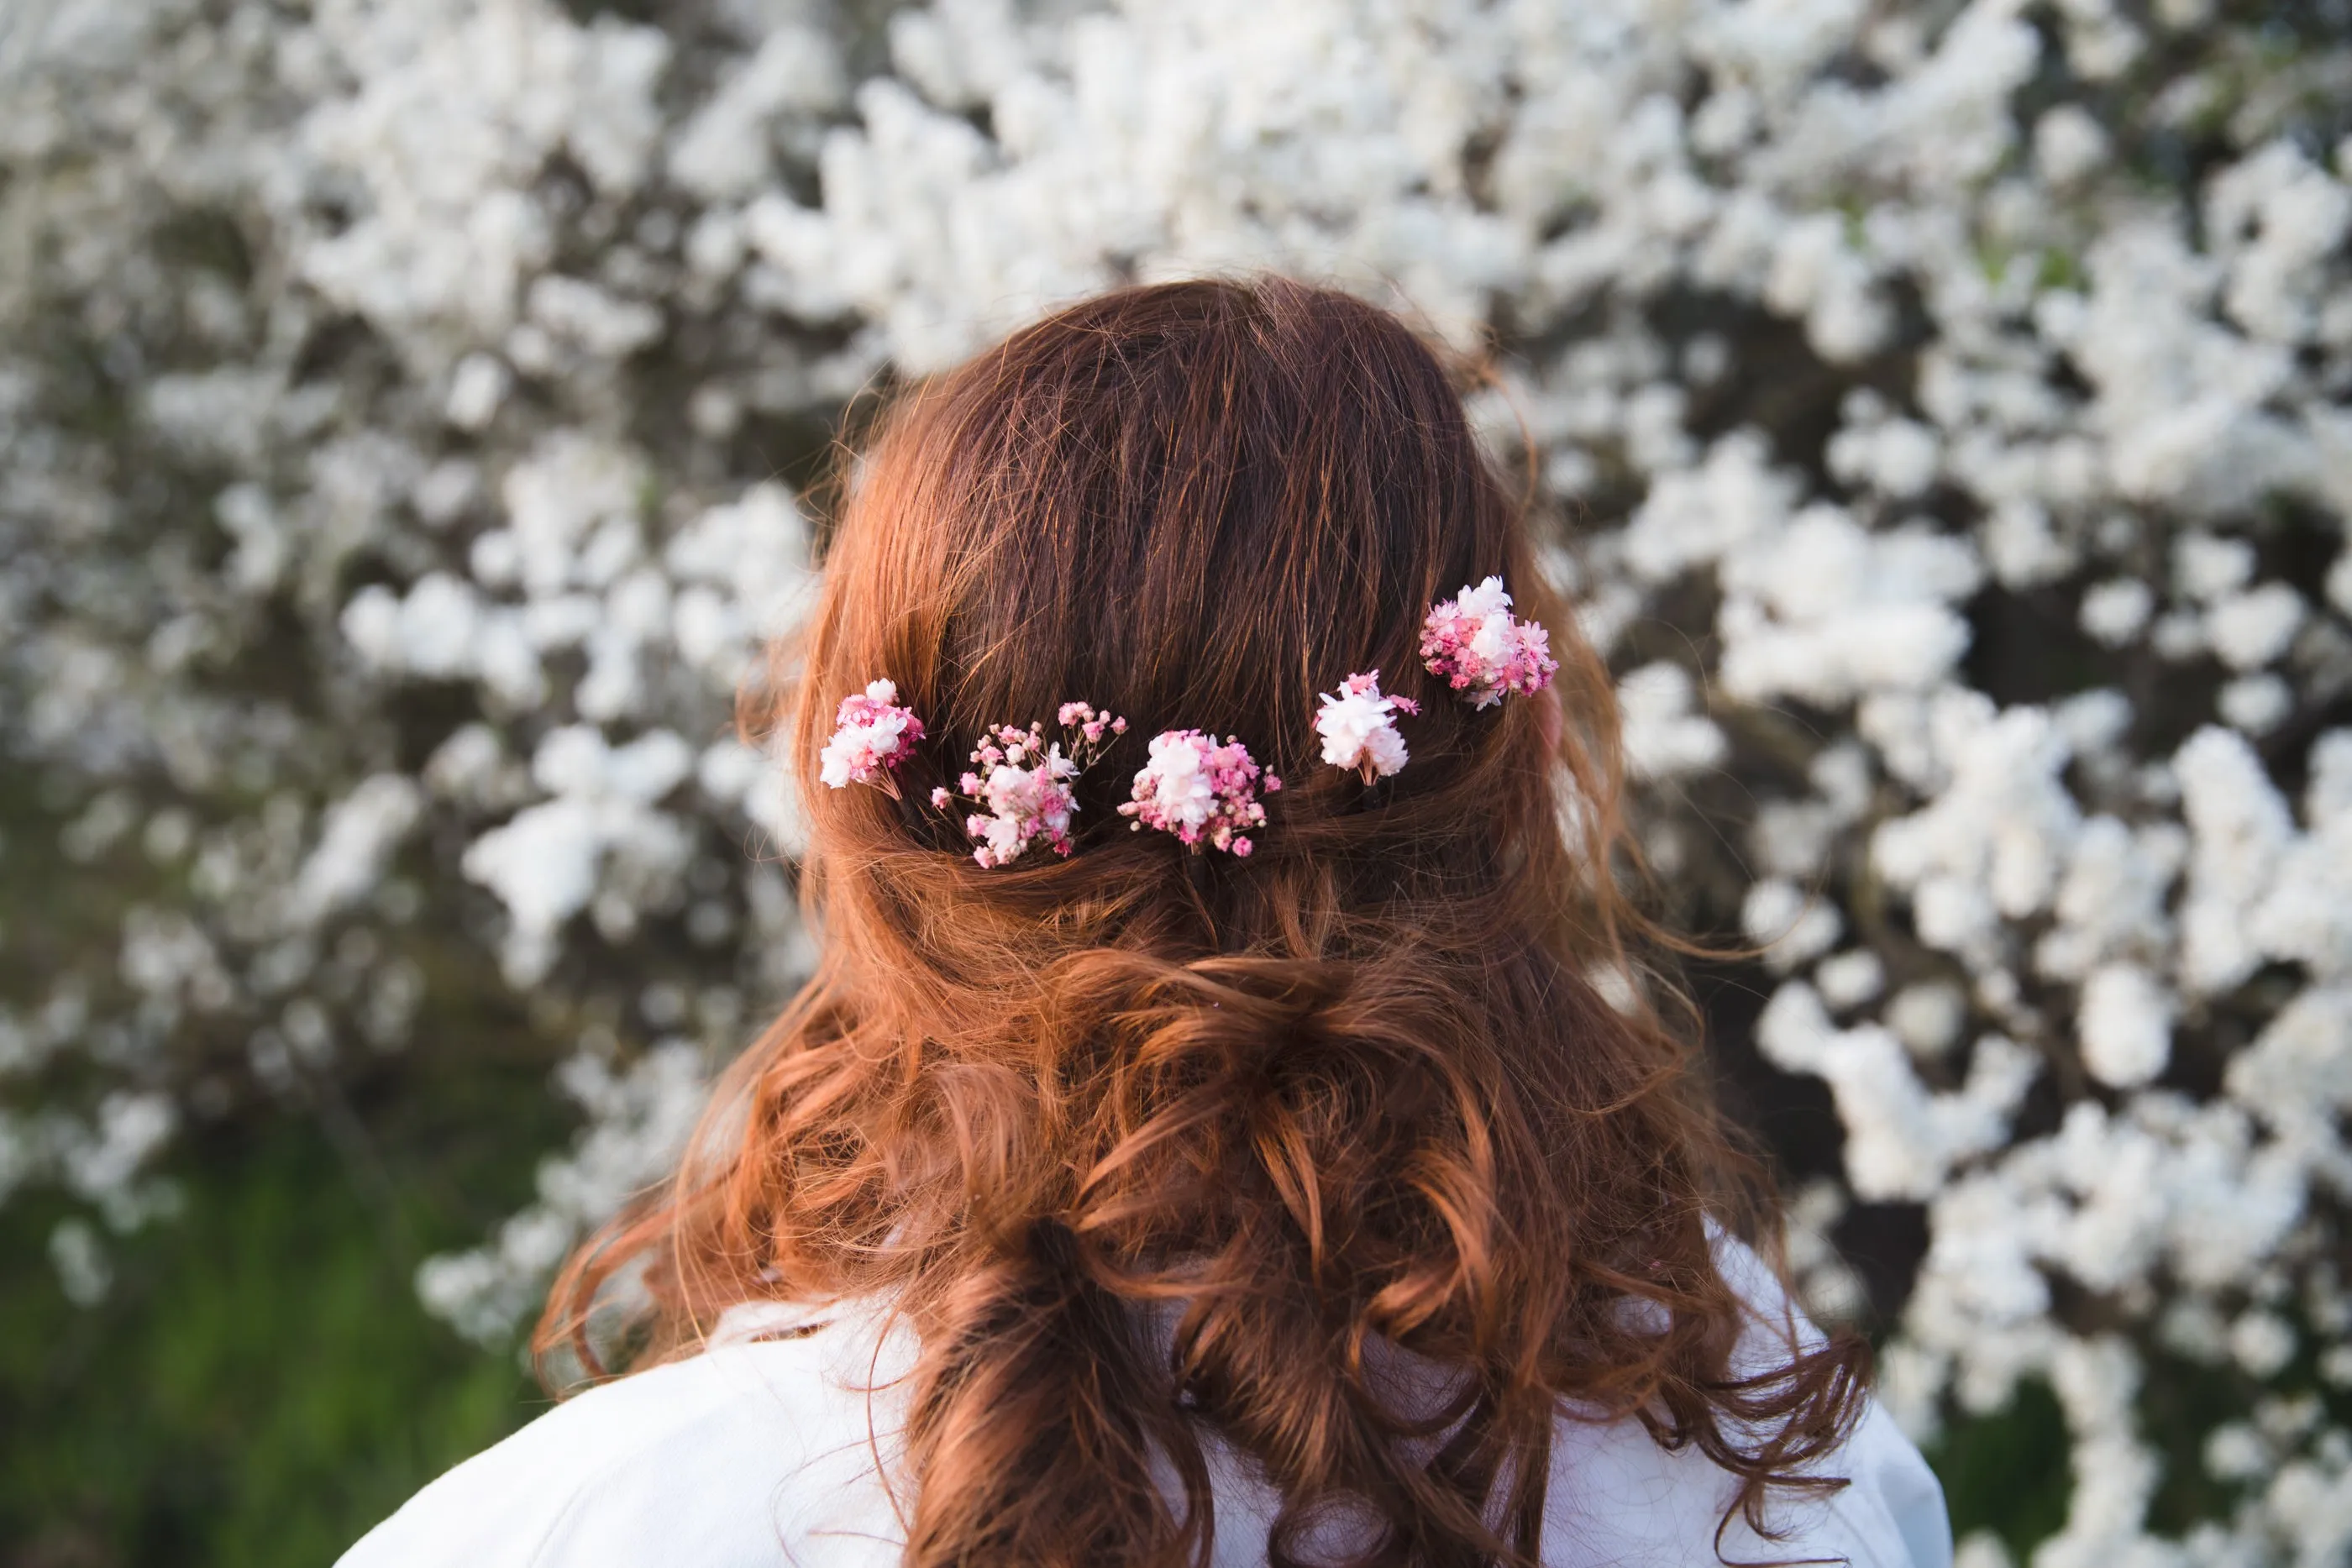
1359	727
1027	795
1481	650
1092	723
1021	783
872	735
1201	790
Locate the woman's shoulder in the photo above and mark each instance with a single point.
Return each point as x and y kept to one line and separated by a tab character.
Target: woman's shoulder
765	1451
745	1455
1617	1495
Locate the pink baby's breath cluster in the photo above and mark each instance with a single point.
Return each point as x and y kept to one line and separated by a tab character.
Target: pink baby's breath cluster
1019	783
1094	726
872	735
1357	725
1481	650
1201	790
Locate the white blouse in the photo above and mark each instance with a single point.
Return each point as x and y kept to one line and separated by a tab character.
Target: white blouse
765	1451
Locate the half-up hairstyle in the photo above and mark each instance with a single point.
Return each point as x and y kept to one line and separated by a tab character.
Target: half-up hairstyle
1389	1086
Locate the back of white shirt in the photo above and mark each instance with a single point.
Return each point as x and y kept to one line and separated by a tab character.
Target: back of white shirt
768	1451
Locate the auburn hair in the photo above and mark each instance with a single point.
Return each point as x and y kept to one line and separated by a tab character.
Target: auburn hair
1391	1083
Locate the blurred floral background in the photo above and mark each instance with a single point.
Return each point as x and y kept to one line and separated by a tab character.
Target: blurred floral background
413	414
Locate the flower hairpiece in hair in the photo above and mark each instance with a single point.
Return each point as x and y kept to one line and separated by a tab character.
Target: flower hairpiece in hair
1020	782
1481	650
1359	727
1201	790
872	735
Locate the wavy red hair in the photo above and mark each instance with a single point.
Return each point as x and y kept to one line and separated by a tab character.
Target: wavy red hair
1363	1090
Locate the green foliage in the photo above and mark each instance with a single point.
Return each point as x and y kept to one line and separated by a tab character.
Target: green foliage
2007	1472
260	1386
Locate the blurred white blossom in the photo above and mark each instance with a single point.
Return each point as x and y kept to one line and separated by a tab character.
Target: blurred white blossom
1950	398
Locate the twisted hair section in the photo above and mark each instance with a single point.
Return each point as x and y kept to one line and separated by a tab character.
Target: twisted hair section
1342	1157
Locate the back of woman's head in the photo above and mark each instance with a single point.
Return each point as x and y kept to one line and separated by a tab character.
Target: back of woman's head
1148	1143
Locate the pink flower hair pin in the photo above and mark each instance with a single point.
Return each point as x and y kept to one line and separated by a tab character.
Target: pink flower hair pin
1201	790
872	735
1483	651
1357	725
1019	784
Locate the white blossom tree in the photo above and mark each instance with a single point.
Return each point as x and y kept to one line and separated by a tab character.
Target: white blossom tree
1945	408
